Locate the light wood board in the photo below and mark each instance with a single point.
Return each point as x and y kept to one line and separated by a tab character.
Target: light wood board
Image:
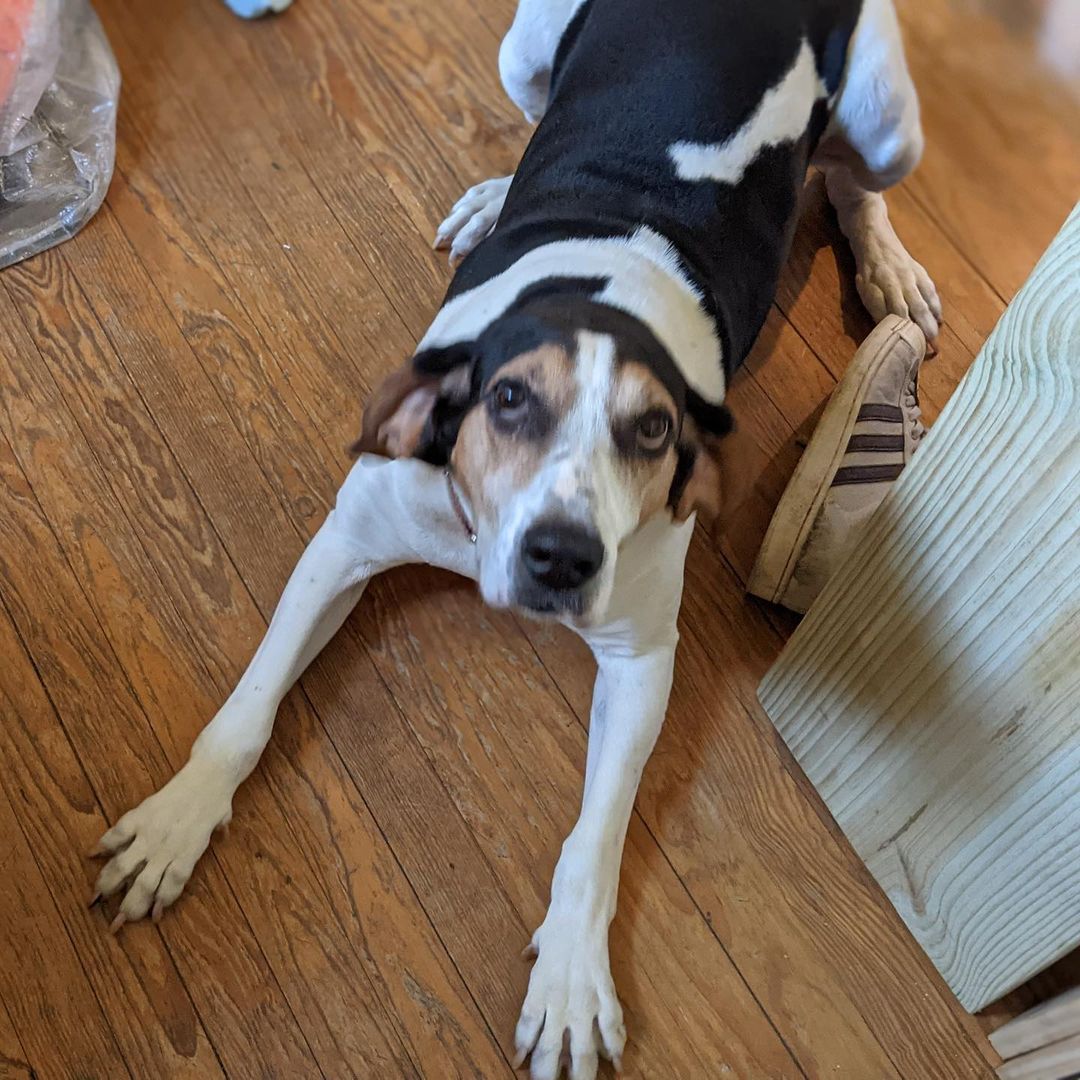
1061	1061
1050	1022
932	695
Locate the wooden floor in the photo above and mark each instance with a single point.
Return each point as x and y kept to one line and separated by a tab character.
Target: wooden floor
176	389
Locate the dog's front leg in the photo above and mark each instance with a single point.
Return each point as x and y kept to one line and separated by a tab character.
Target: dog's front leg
571	993
570	990
387	513
472	217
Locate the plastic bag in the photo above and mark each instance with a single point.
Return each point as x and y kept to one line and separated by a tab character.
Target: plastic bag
59	86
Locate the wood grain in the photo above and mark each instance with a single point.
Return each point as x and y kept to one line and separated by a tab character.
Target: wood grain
148	1007
1007	97
52	1005
298	927
1047	1023
14	1064
250	1024
1058	1062
175	390
931	694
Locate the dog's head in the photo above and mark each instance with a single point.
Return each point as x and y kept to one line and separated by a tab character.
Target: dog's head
565	424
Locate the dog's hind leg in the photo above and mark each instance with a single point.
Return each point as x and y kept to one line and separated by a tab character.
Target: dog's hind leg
387	513
527	53
890	281
874	140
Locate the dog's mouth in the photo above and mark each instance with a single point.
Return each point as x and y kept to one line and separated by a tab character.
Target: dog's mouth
544	604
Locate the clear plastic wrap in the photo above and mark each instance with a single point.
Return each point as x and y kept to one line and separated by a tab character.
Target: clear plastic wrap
59	86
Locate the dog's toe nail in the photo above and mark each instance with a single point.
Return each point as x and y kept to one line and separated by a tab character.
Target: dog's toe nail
117	923
94	900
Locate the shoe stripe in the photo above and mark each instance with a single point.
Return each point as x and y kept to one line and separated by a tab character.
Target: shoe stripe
866	474
875	411
875	442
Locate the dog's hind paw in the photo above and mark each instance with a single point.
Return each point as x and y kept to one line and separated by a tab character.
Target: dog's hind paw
472	217
153	849
891	282
571	1014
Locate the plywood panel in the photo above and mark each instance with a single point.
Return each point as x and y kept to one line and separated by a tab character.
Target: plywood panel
932	693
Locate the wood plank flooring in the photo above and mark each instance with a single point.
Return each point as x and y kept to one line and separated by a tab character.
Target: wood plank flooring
177	386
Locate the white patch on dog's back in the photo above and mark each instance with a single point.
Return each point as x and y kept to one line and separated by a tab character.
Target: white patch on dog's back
781	116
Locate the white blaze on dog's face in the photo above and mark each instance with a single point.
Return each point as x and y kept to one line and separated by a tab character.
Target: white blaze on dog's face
570	448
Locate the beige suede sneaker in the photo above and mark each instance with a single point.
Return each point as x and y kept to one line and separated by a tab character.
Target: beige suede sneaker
866	435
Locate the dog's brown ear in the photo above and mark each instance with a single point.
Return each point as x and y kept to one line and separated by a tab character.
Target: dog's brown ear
398	420
697	478
734	455
395	416
712	483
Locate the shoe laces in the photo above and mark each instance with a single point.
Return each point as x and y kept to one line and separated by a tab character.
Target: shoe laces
911	408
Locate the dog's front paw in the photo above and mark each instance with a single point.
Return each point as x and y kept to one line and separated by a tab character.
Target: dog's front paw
154	847
891	282
571	1014
472	217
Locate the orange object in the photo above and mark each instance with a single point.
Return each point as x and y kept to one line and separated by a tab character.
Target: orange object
14	23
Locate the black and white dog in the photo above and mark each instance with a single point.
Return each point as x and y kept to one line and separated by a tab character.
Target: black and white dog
560	424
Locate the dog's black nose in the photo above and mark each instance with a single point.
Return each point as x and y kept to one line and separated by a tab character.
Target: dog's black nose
561	555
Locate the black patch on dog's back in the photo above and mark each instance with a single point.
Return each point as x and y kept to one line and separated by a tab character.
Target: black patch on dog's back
559	286
632	77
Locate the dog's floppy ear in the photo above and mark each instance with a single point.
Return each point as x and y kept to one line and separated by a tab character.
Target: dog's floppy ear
417	410
709	478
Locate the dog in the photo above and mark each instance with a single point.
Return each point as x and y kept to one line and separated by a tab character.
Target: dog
562	424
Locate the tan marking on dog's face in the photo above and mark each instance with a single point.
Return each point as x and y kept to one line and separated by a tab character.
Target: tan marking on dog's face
497	454
648	476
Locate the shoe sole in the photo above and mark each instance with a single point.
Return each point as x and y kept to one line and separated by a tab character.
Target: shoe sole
802	500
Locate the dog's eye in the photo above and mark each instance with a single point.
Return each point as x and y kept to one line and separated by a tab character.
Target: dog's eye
653	430
509	397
